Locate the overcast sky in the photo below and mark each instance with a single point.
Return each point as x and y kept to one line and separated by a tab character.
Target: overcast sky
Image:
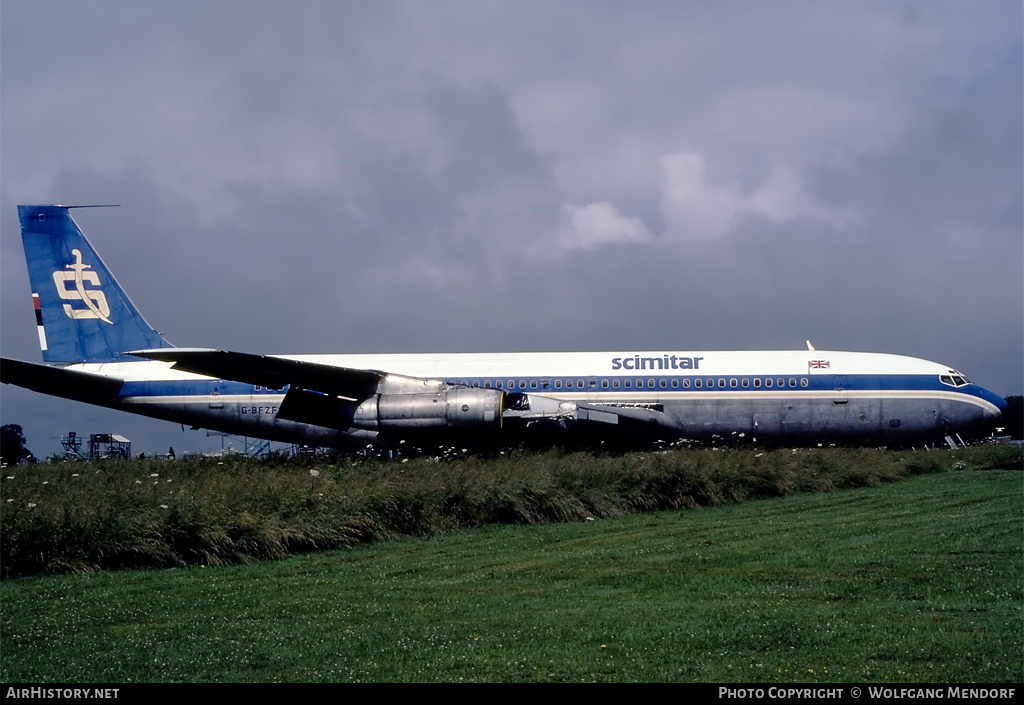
316	177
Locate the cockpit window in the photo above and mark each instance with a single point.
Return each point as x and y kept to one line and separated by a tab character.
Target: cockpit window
954	379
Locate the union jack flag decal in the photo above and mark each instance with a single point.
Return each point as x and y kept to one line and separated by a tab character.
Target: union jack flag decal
817	364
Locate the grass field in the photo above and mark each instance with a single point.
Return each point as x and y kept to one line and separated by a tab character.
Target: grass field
915	581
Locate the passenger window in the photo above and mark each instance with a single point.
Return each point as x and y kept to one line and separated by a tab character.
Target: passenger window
768	382
533	384
698	383
615	383
732	383
558	384
650	383
662	383
675	384
686	383
721	382
804	382
792	381
746	382
780	382
629	383
604	384
757	382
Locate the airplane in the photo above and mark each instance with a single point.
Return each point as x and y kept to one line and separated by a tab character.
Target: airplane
98	349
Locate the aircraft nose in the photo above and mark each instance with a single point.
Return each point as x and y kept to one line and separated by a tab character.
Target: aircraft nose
997	401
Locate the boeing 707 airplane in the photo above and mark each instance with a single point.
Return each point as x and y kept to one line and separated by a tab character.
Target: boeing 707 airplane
98	349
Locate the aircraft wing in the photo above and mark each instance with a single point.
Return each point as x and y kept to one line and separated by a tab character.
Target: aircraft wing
58	382
323	394
268	371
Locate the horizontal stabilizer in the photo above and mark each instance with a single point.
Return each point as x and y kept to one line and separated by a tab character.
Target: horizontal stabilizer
268	371
59	382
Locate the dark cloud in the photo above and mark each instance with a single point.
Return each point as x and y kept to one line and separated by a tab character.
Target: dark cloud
353	177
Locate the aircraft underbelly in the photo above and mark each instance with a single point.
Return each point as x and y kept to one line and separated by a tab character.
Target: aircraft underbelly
764	420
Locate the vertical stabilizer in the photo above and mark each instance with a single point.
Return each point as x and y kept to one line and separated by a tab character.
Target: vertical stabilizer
82	313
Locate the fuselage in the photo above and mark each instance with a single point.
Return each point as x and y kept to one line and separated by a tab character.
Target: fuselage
766	396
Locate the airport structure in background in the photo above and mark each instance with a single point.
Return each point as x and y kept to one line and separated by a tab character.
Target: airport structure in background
101	446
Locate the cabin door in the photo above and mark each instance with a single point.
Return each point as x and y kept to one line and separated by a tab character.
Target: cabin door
840	394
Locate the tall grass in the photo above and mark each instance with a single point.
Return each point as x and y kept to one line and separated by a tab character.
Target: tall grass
67	517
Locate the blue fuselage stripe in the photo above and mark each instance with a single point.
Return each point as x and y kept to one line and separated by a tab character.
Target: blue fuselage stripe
683	384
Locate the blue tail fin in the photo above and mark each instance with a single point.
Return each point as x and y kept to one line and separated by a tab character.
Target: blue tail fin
82	312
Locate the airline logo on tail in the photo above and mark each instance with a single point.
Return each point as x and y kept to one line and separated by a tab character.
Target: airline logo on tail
94	299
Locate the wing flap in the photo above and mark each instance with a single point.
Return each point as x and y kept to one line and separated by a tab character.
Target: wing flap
607	413
304	406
